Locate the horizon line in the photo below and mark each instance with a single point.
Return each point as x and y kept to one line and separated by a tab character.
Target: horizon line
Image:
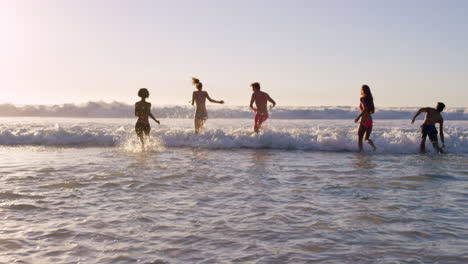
208	105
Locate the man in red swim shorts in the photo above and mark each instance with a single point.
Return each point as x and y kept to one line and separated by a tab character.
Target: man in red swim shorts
261	100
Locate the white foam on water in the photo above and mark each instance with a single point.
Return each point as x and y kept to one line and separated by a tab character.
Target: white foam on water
389	139
132	144
59	136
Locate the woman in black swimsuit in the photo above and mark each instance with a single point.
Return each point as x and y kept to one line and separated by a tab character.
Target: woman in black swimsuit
143	111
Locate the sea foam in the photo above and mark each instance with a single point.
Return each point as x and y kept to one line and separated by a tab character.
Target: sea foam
318	137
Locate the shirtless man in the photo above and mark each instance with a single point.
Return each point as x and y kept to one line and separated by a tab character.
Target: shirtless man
261	99
428	128
199	97
143	111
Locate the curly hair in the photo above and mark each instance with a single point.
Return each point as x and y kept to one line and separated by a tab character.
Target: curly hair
143	93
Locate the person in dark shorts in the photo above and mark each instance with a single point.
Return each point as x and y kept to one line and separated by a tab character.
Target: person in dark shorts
143	111
428	128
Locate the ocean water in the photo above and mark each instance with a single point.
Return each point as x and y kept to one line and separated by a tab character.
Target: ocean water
123	110
83	191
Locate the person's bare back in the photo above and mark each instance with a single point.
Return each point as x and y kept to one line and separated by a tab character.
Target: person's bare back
432	116
261	100
200	99
142	111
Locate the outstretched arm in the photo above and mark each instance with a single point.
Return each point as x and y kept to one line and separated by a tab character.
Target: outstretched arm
214	101
417	113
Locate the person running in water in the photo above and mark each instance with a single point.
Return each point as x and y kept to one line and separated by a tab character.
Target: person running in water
261	100
428	128
367	109
199	97
143	111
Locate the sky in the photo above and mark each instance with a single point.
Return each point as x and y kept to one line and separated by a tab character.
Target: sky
303	52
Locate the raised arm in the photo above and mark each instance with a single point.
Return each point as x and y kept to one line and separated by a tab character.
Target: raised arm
214	101
417	113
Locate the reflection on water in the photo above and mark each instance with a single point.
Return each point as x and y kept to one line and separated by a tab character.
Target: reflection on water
259	157
237	206
199	155
364	161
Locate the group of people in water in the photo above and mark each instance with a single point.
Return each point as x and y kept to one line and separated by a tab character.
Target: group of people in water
261	99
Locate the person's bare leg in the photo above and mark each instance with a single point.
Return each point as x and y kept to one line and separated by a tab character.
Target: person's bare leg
145	138
436	147
202	125
197	126
142	140
361	131
256	127
422	146
139	134
368	140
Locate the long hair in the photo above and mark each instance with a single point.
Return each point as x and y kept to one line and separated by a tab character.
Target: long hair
197	83
368	99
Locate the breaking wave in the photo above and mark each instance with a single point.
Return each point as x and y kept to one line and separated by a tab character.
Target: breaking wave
122	110
318	138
